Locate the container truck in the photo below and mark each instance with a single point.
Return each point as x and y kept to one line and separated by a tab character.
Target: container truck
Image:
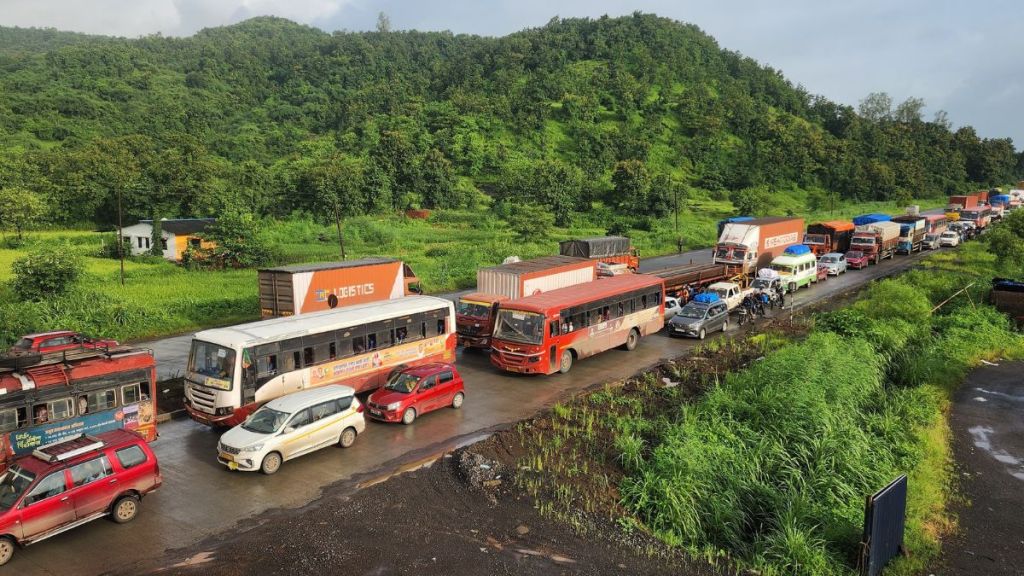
877	240
608	249
957	203
303	288
831	236
912	233
751	245
474	313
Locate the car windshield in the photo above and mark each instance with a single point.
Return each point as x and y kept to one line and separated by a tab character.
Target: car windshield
854	255
692	311
265	421
828	259
761	284
782	269
519	326
13	483
212	360
474	309
863	241
24	344
401	382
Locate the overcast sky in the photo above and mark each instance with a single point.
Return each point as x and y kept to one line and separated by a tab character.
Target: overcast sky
963	57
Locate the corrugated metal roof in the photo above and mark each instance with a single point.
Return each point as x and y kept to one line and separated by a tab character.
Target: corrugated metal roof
317	266
535	264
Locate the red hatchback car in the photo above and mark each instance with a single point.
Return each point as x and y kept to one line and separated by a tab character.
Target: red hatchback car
66	484
414	391
857	259
58	341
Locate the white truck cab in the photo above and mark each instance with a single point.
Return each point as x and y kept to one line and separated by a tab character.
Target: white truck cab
730	292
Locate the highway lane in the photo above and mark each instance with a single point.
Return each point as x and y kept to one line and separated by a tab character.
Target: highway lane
201	498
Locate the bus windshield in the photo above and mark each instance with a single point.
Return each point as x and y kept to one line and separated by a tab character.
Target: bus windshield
13	483
212	360
474	309
518	326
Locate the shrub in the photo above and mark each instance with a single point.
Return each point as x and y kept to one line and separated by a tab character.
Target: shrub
45	272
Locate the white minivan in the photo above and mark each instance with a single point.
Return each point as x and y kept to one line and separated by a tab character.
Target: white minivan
291	426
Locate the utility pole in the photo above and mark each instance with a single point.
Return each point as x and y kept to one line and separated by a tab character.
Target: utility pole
337	220
120	236
675	207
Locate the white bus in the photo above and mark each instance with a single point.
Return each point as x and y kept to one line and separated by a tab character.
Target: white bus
232	371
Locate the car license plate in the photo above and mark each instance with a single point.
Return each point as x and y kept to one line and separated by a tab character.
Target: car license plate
227	457
232	465
375	412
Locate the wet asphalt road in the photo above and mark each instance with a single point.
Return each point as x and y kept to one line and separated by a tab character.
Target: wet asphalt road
988	444
200	497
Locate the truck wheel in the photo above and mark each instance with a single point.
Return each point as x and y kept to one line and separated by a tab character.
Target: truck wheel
125	509
566	364
632	340
6	550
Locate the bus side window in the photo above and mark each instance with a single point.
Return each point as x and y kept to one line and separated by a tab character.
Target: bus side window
307	356
296	360
266	366
61	409
440	326
129	394
423	329
371	341
9	420
358	345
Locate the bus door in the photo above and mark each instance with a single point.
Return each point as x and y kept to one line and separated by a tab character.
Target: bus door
553	332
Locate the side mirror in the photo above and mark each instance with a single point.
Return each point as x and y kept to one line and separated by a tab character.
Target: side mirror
288	430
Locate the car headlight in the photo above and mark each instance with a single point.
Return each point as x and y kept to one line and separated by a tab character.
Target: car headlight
254	447
394	406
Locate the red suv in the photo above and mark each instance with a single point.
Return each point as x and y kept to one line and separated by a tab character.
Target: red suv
64	485
58	341
412	392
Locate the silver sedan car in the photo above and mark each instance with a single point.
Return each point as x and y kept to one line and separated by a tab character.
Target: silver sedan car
833	262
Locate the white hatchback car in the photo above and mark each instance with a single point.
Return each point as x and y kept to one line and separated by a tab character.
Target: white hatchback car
672	307
949	238
291	426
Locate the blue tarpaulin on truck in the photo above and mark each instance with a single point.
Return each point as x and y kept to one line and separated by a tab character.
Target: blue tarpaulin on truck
798	250
870	219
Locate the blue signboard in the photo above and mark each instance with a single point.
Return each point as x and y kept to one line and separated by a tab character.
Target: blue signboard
27	440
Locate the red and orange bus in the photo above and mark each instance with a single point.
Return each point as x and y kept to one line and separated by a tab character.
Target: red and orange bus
546	333
936	223
69	394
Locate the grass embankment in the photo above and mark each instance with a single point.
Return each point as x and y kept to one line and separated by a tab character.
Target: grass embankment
767	466
445	251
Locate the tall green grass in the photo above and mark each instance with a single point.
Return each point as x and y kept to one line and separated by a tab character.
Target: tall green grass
772	466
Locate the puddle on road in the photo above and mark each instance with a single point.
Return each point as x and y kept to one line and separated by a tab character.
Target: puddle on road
982	439
1013	397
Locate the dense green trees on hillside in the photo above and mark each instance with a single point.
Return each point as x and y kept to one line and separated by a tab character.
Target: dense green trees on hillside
276	117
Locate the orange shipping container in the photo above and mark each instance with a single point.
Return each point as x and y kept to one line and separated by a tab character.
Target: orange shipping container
304	288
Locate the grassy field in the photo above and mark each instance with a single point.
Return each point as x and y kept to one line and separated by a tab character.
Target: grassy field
160	298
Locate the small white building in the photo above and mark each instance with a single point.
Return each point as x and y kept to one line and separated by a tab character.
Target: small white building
176	236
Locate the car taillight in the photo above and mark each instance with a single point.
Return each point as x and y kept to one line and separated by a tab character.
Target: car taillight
359	407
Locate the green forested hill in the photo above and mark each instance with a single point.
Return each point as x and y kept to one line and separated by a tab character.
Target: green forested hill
279	117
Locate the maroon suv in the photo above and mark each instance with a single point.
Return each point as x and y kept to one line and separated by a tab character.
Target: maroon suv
66	484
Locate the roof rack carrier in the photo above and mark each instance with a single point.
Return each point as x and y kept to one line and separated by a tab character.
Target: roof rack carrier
68	448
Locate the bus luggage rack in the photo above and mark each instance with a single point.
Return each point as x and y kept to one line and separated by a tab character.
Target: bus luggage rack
68	448
20	364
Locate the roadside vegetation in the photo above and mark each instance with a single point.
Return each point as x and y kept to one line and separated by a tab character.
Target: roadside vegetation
759	452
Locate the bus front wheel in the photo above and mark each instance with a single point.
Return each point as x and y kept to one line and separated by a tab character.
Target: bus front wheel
566	363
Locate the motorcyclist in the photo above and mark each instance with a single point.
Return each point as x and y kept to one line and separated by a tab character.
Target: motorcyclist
781	293
763	300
